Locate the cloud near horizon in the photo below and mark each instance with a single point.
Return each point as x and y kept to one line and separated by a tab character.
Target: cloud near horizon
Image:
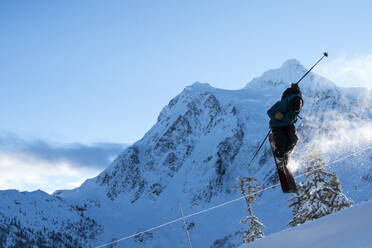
98	155
26	173
349	71
31	165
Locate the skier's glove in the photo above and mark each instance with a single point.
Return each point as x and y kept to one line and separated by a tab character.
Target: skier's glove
278	116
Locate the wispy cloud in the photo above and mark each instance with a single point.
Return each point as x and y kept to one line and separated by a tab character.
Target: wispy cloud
37	164
349	71
97	155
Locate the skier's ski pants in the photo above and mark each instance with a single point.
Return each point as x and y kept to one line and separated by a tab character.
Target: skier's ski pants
285	138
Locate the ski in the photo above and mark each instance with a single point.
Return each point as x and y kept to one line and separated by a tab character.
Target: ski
286	178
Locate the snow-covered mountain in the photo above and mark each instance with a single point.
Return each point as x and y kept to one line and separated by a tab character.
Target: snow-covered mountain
202	141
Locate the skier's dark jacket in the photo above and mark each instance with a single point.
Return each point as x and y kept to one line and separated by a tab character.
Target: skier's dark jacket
289	108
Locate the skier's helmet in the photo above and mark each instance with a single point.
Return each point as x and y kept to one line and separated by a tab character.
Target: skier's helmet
293	90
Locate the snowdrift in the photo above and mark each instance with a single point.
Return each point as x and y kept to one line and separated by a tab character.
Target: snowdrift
345	229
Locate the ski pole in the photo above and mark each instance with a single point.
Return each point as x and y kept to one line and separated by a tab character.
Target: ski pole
259	148
325	54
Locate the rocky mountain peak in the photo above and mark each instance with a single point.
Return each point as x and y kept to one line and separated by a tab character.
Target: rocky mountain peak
293	64
289	72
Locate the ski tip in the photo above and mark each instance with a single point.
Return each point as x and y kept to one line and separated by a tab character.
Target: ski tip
325	54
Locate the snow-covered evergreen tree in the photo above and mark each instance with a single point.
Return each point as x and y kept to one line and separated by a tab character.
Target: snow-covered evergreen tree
248	190
320	195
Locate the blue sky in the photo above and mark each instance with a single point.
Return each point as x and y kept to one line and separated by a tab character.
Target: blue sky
100	71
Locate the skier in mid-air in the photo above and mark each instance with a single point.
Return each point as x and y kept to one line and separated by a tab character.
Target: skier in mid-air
283	115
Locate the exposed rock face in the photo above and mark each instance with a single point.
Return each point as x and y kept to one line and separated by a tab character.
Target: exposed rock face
180	125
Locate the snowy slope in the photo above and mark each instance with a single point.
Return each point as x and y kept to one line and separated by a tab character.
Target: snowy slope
344	229
193	154
37	219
